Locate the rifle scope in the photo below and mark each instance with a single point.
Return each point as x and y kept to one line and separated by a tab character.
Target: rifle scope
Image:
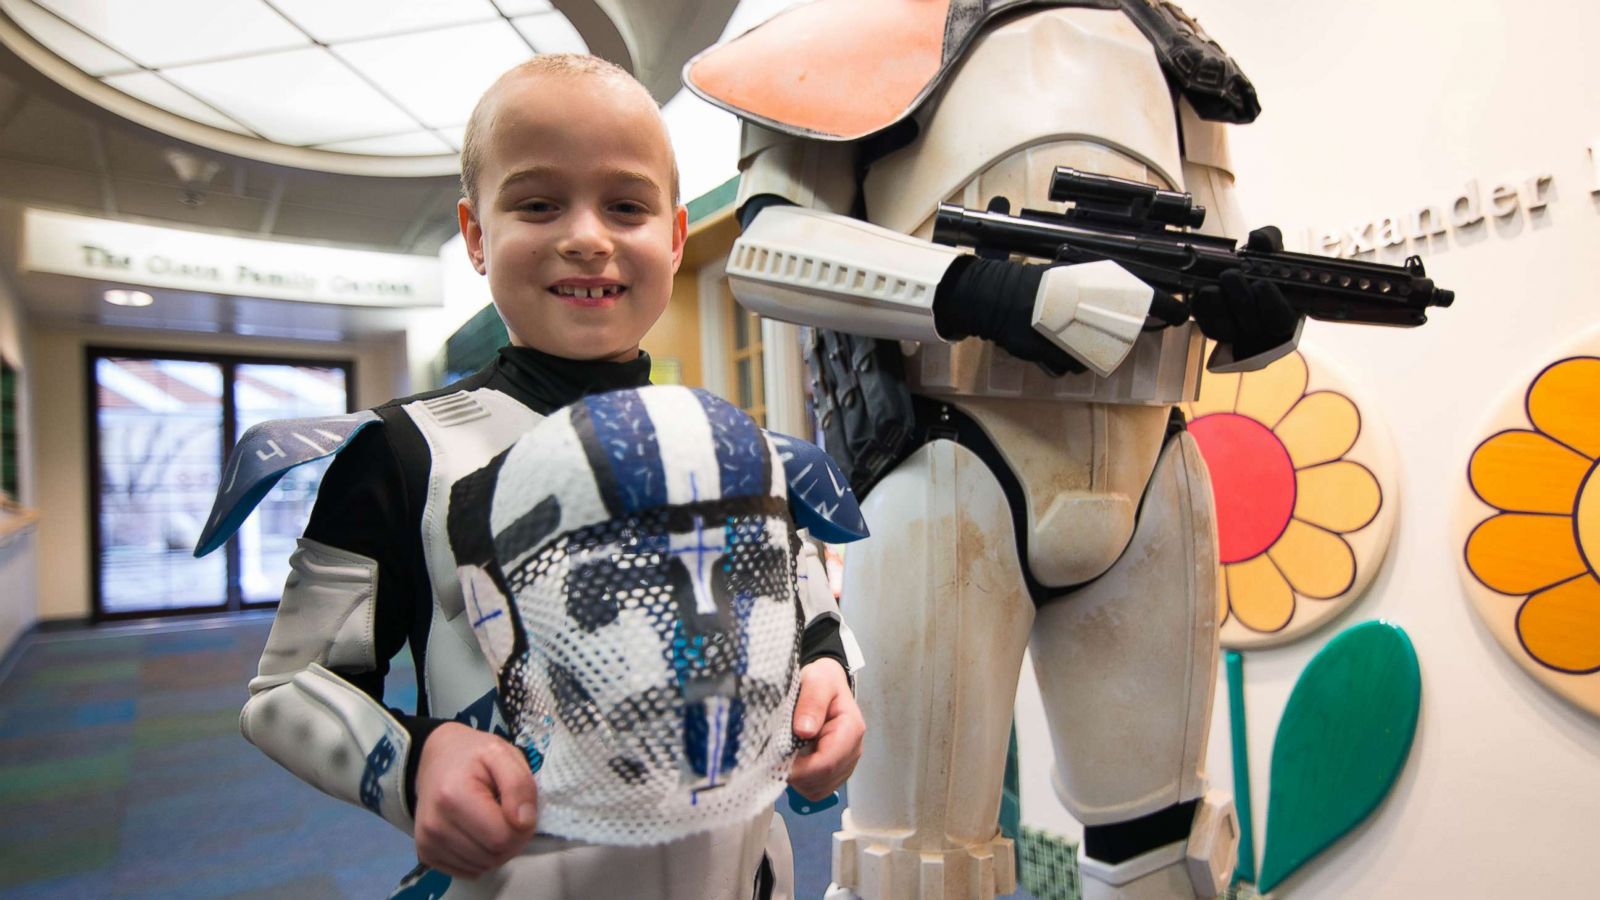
1134	199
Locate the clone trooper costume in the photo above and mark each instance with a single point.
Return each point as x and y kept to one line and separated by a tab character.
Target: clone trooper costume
375	571
1063	511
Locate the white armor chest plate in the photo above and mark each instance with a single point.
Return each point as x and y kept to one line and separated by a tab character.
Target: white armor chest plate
496	422
971	148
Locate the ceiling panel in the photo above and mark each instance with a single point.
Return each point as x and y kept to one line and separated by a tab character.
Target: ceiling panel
66	41
522	7
50	185
388	197
347	20
551	33
340	226
140	158
46	133
157	91
414	143
298	97
439	75
172	32
217	209
453	135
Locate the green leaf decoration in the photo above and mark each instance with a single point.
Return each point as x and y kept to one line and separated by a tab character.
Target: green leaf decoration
1341	744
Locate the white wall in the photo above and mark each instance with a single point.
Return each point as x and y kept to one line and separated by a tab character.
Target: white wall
1374	108
19	591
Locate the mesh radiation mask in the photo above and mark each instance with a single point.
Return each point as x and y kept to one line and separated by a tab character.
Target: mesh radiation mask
633	585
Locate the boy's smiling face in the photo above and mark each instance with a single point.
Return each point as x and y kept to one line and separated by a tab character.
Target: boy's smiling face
574	222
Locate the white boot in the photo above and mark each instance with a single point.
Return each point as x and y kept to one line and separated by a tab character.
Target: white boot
1200	866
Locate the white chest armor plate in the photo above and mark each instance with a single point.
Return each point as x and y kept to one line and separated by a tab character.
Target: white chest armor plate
497	420
971	148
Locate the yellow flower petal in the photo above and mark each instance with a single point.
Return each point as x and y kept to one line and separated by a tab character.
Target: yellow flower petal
1316	562
1340	496
1586	522
1321	427
1258	595
1564	403
1218	391
1560	627
1267	394
1515	553
1525	471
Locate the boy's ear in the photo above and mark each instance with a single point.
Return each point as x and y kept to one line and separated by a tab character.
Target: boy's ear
472	233
680	234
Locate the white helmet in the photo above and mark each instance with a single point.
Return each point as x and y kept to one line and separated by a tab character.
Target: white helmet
633	587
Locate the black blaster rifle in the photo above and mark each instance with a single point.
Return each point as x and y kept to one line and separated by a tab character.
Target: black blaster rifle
1137	226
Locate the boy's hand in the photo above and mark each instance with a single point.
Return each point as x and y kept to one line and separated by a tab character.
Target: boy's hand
827	712
476	801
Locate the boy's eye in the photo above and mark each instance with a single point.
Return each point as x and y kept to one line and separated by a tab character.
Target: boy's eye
631	208
537	206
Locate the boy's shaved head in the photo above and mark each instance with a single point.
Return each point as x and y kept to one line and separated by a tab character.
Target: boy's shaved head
552	65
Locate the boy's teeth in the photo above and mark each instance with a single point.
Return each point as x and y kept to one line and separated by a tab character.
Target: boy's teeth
593	293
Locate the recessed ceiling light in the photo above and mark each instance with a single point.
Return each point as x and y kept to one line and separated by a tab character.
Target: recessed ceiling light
119	297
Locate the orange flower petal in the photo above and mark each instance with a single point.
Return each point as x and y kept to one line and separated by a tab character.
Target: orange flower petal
1564	403
1266	395
1586	519
1525	471
1560	627
1315	562
1339	496
1258	595
1514	553
1323	426
1218	392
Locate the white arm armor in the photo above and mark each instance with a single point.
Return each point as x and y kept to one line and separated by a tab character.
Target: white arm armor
311	721
817	603
816	267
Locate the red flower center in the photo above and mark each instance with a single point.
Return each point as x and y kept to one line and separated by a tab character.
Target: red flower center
1252	477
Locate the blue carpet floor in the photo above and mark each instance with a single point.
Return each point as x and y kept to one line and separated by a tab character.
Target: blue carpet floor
122	774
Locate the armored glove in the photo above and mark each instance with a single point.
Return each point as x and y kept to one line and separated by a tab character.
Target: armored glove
994	300
1251	315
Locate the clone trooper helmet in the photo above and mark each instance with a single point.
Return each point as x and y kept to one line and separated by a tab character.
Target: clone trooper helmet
629	568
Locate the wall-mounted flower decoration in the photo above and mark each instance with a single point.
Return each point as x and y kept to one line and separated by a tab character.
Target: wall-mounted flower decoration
1532	557
1304	515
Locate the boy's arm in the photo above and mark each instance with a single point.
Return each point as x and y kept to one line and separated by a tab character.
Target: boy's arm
826	636
315	705
826	716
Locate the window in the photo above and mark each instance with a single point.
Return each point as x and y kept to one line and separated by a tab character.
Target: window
744	360
10	433
161	428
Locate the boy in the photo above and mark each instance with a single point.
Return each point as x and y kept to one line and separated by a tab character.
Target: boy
571	213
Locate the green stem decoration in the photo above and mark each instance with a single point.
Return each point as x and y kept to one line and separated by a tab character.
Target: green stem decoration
1246	868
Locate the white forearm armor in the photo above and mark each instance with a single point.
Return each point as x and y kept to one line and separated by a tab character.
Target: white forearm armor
312	722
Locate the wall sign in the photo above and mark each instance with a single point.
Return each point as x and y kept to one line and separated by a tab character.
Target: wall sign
146	255
1477	202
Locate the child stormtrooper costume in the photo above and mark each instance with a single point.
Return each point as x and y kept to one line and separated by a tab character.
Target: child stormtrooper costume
1063	511
376	570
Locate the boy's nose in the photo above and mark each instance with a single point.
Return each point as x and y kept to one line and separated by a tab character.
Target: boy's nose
587	238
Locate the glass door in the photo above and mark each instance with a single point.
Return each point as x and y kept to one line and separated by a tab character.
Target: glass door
162	426
262	392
